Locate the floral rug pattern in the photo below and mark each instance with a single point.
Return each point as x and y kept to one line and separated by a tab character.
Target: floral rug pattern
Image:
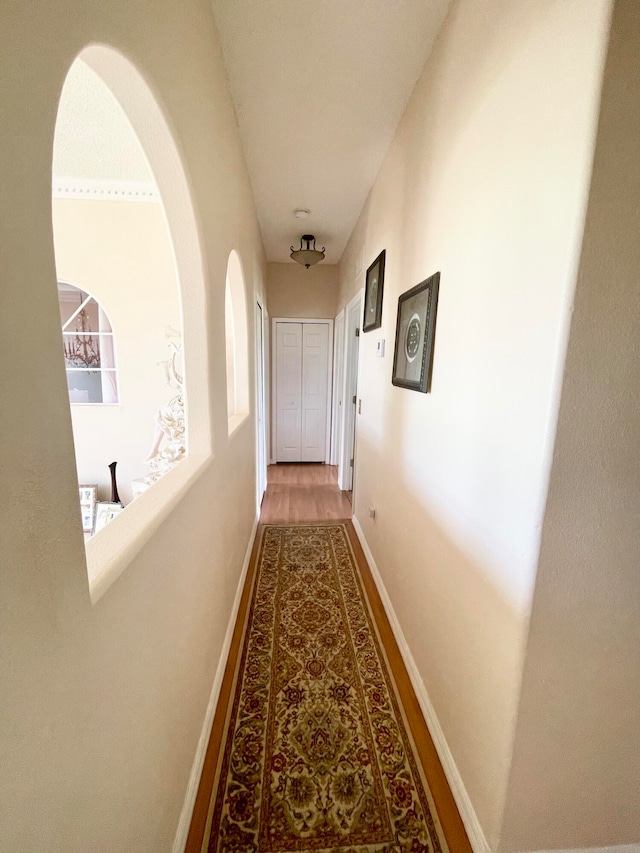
317	755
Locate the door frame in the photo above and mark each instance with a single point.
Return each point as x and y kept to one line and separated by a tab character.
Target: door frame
261	392
338	388
274	381
352	321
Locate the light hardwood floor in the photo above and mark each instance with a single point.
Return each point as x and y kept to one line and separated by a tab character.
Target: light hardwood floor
299	493
303	492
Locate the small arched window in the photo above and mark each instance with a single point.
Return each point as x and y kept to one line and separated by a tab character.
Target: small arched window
236	344
89	351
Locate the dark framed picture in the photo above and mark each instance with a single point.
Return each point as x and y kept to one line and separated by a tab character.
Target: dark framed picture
415	334
373	294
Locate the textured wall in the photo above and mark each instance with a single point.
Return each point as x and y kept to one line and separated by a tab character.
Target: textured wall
486	181
102	705
576	771
294	291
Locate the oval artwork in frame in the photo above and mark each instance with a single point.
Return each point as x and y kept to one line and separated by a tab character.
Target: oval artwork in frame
415	336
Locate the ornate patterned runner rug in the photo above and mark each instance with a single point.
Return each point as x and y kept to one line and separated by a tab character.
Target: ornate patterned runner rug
317	754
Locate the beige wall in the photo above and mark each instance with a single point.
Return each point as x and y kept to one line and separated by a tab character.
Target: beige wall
293	291
576	773
103	705
485	181
120	252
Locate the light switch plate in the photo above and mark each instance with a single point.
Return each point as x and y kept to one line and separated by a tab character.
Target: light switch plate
380	348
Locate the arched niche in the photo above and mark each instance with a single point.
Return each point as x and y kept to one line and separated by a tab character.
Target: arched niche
237	351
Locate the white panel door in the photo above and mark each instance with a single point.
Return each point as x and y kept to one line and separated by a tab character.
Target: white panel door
288	392
315	391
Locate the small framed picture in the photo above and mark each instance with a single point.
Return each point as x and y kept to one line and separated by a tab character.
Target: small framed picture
373	294
88	497
415	335
105	512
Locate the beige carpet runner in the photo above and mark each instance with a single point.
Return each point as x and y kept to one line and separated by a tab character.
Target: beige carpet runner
316	755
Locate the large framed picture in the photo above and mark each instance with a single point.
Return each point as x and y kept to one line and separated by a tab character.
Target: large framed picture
415	335
88	497
373	294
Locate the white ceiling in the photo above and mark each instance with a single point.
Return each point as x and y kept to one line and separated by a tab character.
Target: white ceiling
93	138
319	87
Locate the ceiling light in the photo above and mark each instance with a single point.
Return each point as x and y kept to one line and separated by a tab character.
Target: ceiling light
306	255
301	213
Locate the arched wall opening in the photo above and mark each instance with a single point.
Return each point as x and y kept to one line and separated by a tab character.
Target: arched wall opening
237	353
110	552
111	238
154	133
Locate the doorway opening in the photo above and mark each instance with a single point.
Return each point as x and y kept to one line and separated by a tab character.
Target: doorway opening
338	390
350	402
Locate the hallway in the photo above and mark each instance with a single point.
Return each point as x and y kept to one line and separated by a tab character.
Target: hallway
299	495
182	182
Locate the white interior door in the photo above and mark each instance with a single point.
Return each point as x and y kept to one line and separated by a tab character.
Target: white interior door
315	397
288	392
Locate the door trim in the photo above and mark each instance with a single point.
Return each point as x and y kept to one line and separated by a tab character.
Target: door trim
338	383
348	421
274	382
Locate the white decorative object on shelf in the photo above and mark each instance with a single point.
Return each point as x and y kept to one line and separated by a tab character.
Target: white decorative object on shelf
138	486
169	441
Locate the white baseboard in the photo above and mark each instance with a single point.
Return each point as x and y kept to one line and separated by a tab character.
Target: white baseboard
620	848
463	801
198	762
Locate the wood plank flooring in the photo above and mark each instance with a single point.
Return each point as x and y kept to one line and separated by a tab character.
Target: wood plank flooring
300	493
303	492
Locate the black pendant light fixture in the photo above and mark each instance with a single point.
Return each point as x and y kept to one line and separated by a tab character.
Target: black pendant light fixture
307	255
